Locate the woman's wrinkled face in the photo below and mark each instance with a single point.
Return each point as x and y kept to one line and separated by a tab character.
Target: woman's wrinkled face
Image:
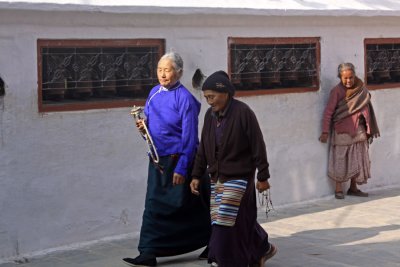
216	100
348	78
166	73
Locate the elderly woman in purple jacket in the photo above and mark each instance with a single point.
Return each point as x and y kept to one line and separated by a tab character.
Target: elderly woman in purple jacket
174	221
350	114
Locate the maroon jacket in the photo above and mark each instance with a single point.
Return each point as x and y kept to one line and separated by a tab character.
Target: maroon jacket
349	124
242	150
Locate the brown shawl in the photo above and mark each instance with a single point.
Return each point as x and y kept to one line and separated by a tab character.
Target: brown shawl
355	100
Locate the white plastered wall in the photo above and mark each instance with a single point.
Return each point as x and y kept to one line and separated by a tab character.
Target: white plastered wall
72	177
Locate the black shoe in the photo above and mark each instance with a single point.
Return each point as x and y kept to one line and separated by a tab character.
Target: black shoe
204	254
339	195
357	193
141	260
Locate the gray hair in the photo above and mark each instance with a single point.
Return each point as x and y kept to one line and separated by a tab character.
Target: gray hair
345	66
176	60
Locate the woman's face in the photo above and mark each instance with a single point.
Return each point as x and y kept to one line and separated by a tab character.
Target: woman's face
166	73
216	100
348	78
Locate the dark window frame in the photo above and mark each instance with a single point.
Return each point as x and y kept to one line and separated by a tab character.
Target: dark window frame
86	43
277	41
378	41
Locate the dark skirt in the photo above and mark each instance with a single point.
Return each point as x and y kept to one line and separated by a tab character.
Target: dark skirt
174	220
245	242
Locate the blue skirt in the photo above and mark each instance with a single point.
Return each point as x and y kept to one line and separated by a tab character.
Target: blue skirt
174	220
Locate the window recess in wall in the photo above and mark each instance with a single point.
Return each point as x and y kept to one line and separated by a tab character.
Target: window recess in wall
382	63
93	74
274	65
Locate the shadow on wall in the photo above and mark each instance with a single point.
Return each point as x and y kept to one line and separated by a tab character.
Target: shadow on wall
2	93
2	87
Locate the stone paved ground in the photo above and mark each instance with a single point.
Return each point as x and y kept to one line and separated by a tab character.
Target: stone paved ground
326	233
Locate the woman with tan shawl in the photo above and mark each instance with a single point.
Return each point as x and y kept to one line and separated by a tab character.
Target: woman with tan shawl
350	113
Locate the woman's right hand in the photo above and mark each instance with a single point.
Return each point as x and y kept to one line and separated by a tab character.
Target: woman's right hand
140	125
194	186
324	137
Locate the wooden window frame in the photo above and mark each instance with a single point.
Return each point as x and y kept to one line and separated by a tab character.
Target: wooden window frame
369	41
85	43
277	41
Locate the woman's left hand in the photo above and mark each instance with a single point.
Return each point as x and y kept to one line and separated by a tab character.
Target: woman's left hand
177	179
262	186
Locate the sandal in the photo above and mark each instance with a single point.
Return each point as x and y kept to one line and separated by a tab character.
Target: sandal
339	195
357	193
269	254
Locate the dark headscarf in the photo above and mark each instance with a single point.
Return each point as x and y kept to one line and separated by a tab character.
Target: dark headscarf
219	82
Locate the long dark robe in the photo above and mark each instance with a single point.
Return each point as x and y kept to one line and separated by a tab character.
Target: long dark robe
174	220
244	243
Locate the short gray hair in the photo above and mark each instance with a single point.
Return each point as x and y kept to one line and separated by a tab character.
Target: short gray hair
176	60
345	66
